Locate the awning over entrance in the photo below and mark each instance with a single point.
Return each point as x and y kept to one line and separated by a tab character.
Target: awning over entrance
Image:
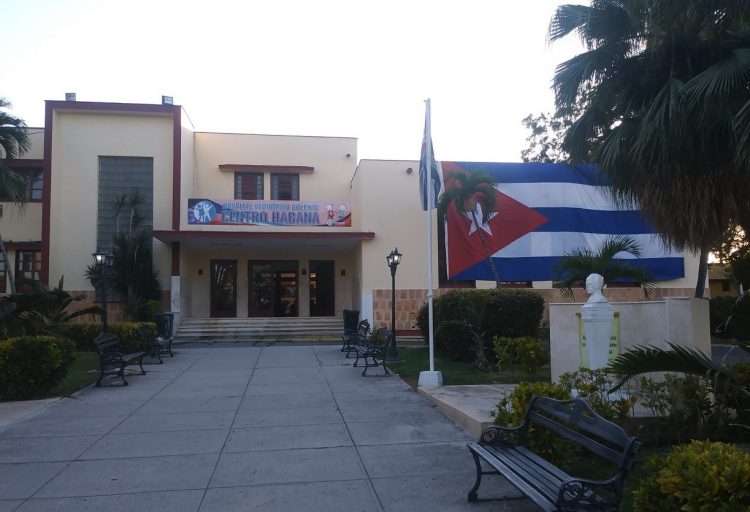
250	236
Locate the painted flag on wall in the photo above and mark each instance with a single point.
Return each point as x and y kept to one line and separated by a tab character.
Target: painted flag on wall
428	166
542	213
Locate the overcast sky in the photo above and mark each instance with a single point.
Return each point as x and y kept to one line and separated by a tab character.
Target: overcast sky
351	68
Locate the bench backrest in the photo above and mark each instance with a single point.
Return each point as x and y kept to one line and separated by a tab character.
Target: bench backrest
575	421
363	329
106	342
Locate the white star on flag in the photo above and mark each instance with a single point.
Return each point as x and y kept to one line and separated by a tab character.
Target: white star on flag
477	221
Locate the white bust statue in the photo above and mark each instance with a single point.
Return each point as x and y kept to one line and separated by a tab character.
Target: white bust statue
594	286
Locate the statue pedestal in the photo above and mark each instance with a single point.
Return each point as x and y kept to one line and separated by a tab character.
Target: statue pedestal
597	328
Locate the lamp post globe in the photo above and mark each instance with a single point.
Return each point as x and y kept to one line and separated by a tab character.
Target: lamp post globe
103	262
393	259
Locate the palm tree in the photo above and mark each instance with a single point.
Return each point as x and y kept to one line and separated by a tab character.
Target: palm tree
577	265
13	142
466	190
663	90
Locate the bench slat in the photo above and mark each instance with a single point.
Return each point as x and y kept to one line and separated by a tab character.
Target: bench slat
580	415
529	472
586	442
556	472
509	472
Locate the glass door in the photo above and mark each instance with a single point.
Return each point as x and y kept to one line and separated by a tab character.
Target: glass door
223	288
273	288
322	288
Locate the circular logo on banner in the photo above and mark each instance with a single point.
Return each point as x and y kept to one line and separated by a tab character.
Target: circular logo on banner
204	212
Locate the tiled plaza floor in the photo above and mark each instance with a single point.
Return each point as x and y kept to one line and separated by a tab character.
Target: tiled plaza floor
280	428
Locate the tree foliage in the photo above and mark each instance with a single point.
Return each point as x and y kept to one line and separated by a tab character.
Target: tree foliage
665	109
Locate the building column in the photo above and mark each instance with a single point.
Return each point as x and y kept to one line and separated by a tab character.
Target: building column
175	297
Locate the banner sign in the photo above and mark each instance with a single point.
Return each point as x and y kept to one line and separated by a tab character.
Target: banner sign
268	213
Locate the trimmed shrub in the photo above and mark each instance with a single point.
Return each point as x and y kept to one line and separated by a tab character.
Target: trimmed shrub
527	352
512	409
83	334
719	309
696	477
30	366
456	340
490	313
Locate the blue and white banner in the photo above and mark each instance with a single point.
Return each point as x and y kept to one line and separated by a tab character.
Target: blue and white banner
543	212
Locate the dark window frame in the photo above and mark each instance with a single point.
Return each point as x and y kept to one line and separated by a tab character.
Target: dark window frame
259	185
275	177
28	261
33	178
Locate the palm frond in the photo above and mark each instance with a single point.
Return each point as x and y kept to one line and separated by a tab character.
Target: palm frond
680	359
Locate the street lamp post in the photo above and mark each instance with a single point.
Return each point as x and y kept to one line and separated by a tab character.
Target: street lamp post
103	262
393	259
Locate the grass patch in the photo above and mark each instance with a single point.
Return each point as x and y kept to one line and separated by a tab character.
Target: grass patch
414	360
81	373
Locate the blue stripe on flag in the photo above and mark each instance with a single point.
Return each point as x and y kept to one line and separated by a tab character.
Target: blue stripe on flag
580	220
538	173
544	268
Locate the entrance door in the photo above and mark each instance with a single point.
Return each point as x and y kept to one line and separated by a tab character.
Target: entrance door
223	288
322	288
273	288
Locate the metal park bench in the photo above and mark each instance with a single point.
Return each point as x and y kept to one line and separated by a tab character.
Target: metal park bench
161	342
371	348
165	333
351	337
507	452
112	361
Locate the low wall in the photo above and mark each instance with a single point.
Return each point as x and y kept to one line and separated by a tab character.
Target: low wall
679	320
408	302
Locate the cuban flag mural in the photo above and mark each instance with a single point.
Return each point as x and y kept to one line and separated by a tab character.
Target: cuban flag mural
542	213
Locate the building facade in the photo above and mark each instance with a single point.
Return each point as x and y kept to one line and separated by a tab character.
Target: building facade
244	225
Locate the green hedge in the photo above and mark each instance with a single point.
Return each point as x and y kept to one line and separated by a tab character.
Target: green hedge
83	334
490	313
30	366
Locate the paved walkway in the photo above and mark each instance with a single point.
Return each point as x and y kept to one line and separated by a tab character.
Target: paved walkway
279	428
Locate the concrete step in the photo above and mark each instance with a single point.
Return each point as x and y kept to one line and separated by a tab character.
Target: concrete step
327	329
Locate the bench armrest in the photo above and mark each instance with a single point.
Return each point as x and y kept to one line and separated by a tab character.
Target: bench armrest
504	435
584	494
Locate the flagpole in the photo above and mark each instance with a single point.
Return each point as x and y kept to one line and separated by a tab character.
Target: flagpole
430	206
429	378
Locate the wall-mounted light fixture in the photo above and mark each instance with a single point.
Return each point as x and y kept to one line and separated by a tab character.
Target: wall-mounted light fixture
200	271
343	272
303	272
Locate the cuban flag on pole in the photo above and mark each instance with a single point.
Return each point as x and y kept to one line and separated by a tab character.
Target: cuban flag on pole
542	213
428	166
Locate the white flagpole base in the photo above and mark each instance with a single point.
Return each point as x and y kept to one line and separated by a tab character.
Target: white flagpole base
429	379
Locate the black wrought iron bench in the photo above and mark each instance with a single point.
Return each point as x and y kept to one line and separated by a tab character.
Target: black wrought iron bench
371	348
351	326
351	337
160	342
112	361
552	489
164	333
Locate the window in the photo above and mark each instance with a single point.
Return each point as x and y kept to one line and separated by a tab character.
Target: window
28	265
3	274
34	186
285	187
126	191
248	185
